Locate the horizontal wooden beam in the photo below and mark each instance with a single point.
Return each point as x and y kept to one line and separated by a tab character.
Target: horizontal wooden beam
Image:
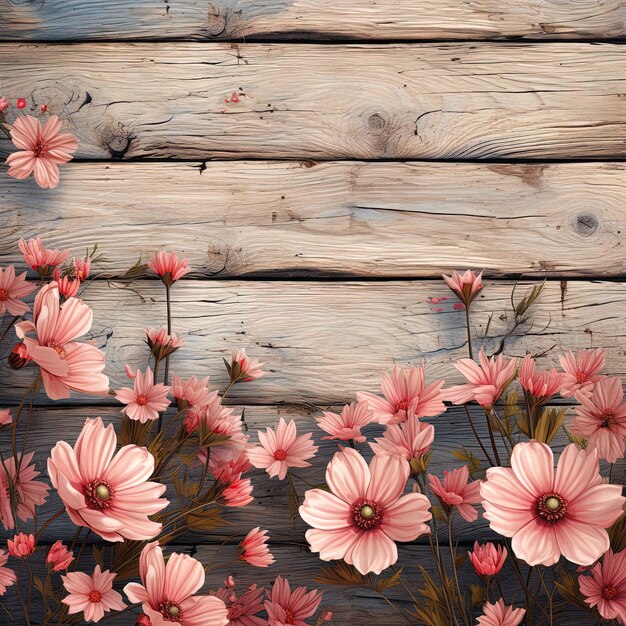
309	19
323	342
413	101
331	219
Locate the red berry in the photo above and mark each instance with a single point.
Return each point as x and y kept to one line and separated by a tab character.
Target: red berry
44	108
234	97
21	103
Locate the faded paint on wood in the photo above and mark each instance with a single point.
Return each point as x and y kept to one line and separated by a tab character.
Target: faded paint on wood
323	342
338	219
310	19
414	101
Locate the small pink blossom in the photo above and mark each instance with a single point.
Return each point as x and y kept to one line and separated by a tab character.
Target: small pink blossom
12	289
281	449
243	609
404	388
92	595
551	513
606	587
457	492
601	418
161	343
254	549
410	440
581	371
168	267
238	493
543	385
191	393
244	369
466	286
364	513
348	424
59	556
4	104
167	590
21	546
229	582
105	491
81	268
42	149
40	259
5	417
67	284
486	381
499	614
285	607
145	400
7	575
486	559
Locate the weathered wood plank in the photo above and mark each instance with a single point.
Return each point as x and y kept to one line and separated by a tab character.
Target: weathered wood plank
309	19
421	101
271	219
322	342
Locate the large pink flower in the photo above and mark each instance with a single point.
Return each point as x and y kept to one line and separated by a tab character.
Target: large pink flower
286	607
282	449
346	425
404	388
365	512
105	491
499	614
42	149
601	418
457	492
146	400
65	363
606	587
581	371
167	591
486	382
7	576
30	492
12	289
92	595
548	513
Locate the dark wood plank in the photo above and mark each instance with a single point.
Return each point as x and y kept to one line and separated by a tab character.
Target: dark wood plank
421	101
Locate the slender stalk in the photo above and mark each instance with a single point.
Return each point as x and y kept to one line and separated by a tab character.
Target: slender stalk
48	522
477	436
494	447
469	332
168	303
454	572
548	593
8	328
19	593
391	604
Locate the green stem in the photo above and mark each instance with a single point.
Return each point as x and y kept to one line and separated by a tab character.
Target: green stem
469	332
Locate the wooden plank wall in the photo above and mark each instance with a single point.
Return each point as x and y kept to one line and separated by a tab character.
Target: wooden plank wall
375	144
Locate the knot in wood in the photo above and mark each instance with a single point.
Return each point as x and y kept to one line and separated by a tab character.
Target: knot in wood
376	121
586	224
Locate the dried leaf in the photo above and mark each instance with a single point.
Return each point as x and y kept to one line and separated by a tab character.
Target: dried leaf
388	583
467	456
478	595
98	554
581	442
460	560
548	424
134	432
341	574
136	270
567	584
528	300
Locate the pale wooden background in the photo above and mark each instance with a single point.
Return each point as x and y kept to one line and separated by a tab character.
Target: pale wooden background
376	143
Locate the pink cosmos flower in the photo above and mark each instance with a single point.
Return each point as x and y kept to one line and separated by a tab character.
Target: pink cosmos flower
487	381
410	440
168	267
12	289
486	559
499	614
254	550
348	425
104	491
601	418
146	399
466	286
167	591
5	417
244	369
21	546
606	587
191	393
29	492
581	371
546	513
59	556
41	259
68	285
404	388
282	449
65	364
42	149
365	512
243	609
457	492
7	575
92	595
238	493
543	384
286	607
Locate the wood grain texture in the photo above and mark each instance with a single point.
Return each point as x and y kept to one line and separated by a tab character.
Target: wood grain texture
309	19
414	101
338	219
323	342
